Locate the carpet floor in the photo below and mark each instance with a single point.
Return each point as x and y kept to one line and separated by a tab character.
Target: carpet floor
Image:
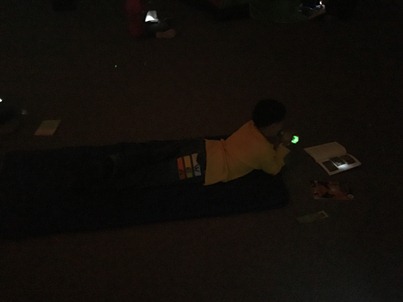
340	80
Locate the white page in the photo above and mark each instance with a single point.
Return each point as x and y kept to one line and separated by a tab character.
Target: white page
326	151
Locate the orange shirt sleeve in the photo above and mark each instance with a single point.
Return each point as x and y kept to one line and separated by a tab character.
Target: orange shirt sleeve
274	161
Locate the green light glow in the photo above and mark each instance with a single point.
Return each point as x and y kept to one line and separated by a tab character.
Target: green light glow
295	139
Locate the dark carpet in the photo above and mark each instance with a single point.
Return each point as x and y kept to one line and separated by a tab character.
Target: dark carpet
340	79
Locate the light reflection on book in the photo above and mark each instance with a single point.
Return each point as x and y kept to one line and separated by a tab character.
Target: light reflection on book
336	163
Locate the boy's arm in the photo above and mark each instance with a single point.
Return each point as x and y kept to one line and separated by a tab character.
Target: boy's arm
273	163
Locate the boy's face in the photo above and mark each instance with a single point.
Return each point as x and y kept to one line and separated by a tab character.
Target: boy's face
273	129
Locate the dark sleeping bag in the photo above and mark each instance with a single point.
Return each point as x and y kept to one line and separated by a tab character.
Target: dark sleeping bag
37	196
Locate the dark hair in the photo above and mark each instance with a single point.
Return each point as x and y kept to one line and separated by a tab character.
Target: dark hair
268	112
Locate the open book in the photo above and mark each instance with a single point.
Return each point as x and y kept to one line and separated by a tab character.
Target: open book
332	157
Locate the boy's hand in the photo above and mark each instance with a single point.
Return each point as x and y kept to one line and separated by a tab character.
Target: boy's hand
286	137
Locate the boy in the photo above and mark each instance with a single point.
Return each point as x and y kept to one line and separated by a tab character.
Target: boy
259	144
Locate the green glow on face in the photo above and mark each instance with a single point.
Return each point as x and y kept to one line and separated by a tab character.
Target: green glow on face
295	139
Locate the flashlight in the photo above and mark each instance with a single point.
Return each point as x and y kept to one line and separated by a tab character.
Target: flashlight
295	139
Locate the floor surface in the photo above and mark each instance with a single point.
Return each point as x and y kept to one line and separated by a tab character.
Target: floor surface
340	80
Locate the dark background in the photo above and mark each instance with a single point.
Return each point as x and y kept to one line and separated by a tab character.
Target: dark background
339	78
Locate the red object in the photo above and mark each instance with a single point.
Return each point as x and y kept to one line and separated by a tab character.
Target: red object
135	15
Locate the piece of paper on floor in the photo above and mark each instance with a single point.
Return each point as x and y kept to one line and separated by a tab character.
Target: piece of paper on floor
47	128
312	217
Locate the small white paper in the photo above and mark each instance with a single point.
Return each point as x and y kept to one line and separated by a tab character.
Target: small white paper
151	16
47	128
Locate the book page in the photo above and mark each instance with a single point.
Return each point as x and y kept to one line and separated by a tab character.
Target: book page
326	151
339	164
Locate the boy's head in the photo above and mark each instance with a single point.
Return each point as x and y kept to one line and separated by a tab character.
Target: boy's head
268	112
268	116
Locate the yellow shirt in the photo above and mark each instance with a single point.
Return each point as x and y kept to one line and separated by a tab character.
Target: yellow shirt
245	150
